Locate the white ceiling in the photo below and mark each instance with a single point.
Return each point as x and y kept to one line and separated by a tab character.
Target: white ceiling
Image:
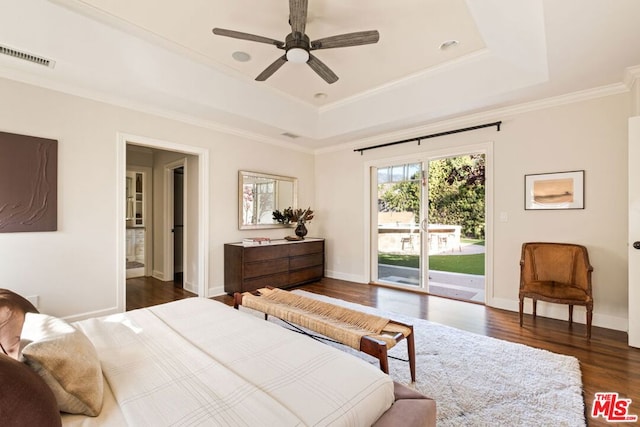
161	56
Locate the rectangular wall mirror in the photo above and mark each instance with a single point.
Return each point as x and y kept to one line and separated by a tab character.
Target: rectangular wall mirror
259	194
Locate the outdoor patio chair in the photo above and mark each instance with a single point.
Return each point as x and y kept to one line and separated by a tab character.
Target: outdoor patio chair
558	273
408	241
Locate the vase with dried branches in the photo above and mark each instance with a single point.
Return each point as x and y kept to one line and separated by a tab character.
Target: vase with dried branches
295	216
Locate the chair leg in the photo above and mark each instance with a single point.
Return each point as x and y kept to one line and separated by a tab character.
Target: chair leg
521	309
570	314
535	308
589	318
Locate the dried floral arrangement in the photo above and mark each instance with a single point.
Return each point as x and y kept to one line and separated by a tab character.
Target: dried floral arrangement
289	215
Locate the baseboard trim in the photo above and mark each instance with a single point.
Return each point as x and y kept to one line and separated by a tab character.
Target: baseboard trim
348	277
188	286
92	314
216	291
561	312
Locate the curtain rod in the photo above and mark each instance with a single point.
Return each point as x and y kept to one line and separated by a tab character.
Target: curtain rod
433	135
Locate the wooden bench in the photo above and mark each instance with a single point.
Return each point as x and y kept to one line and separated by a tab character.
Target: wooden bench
373	335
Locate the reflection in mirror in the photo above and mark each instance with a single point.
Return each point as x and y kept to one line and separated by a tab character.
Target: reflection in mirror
260	194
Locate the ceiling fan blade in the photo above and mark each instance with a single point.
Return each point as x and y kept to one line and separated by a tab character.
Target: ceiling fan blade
298	15
322	70
346	40
247	36
272	68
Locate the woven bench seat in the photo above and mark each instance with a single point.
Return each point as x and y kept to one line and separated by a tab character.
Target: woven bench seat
373	335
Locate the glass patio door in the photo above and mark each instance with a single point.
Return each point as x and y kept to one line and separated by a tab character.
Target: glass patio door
456	227
397	237
428	224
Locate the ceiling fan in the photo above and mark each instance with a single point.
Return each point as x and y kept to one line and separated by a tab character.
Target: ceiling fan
297	46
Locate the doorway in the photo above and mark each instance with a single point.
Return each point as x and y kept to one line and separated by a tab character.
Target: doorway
198	194
428	224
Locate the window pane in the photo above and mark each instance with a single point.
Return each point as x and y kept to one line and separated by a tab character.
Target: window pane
413	170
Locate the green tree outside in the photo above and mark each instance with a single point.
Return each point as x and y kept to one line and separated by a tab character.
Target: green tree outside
456	194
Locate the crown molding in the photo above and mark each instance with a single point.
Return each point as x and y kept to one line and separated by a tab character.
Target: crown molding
631	76
489	115
98	96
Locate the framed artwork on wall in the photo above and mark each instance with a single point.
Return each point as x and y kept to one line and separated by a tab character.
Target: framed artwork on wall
28	183
558	190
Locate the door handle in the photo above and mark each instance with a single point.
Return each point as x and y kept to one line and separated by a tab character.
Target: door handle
636	245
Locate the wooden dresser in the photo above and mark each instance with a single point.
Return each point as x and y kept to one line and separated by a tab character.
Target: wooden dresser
280	264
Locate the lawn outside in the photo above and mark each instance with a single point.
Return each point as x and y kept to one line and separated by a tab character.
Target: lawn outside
451	262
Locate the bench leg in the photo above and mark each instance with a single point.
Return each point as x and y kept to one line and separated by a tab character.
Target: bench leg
384	360
411	349
237	300
377	349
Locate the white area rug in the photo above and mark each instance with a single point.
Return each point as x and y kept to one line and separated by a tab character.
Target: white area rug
482	381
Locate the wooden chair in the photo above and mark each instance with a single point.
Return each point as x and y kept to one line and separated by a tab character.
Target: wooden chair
559	273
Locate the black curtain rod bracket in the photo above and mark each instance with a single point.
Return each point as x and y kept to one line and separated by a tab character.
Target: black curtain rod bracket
433	135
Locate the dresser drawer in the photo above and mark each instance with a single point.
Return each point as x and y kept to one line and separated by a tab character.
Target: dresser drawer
259	253
265	268
306	248
306	275
304	261
275	281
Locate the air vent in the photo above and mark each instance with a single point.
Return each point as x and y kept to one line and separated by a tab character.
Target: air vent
5	50
290	135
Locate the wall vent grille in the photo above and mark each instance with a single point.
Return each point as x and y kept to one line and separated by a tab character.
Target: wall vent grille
25	56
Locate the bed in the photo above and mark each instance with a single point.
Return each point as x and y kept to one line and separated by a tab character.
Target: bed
199	362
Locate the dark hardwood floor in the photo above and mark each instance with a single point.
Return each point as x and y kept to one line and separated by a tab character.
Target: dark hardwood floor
147	291
608	364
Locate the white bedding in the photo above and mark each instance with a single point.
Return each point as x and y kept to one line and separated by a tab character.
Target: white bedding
200	362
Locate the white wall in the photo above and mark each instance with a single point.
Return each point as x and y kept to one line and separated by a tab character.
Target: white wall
73	270
589	135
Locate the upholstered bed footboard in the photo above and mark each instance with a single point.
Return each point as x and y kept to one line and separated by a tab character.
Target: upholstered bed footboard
410	409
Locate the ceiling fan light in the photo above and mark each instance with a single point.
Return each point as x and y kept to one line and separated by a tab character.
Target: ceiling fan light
297	55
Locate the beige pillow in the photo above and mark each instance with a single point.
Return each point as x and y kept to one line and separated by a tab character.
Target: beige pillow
67	361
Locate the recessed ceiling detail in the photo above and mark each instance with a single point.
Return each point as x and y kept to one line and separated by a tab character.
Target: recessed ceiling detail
401	52
297	45
168	62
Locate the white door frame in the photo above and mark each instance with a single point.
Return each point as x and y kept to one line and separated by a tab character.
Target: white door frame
370	257
203	209
634	232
